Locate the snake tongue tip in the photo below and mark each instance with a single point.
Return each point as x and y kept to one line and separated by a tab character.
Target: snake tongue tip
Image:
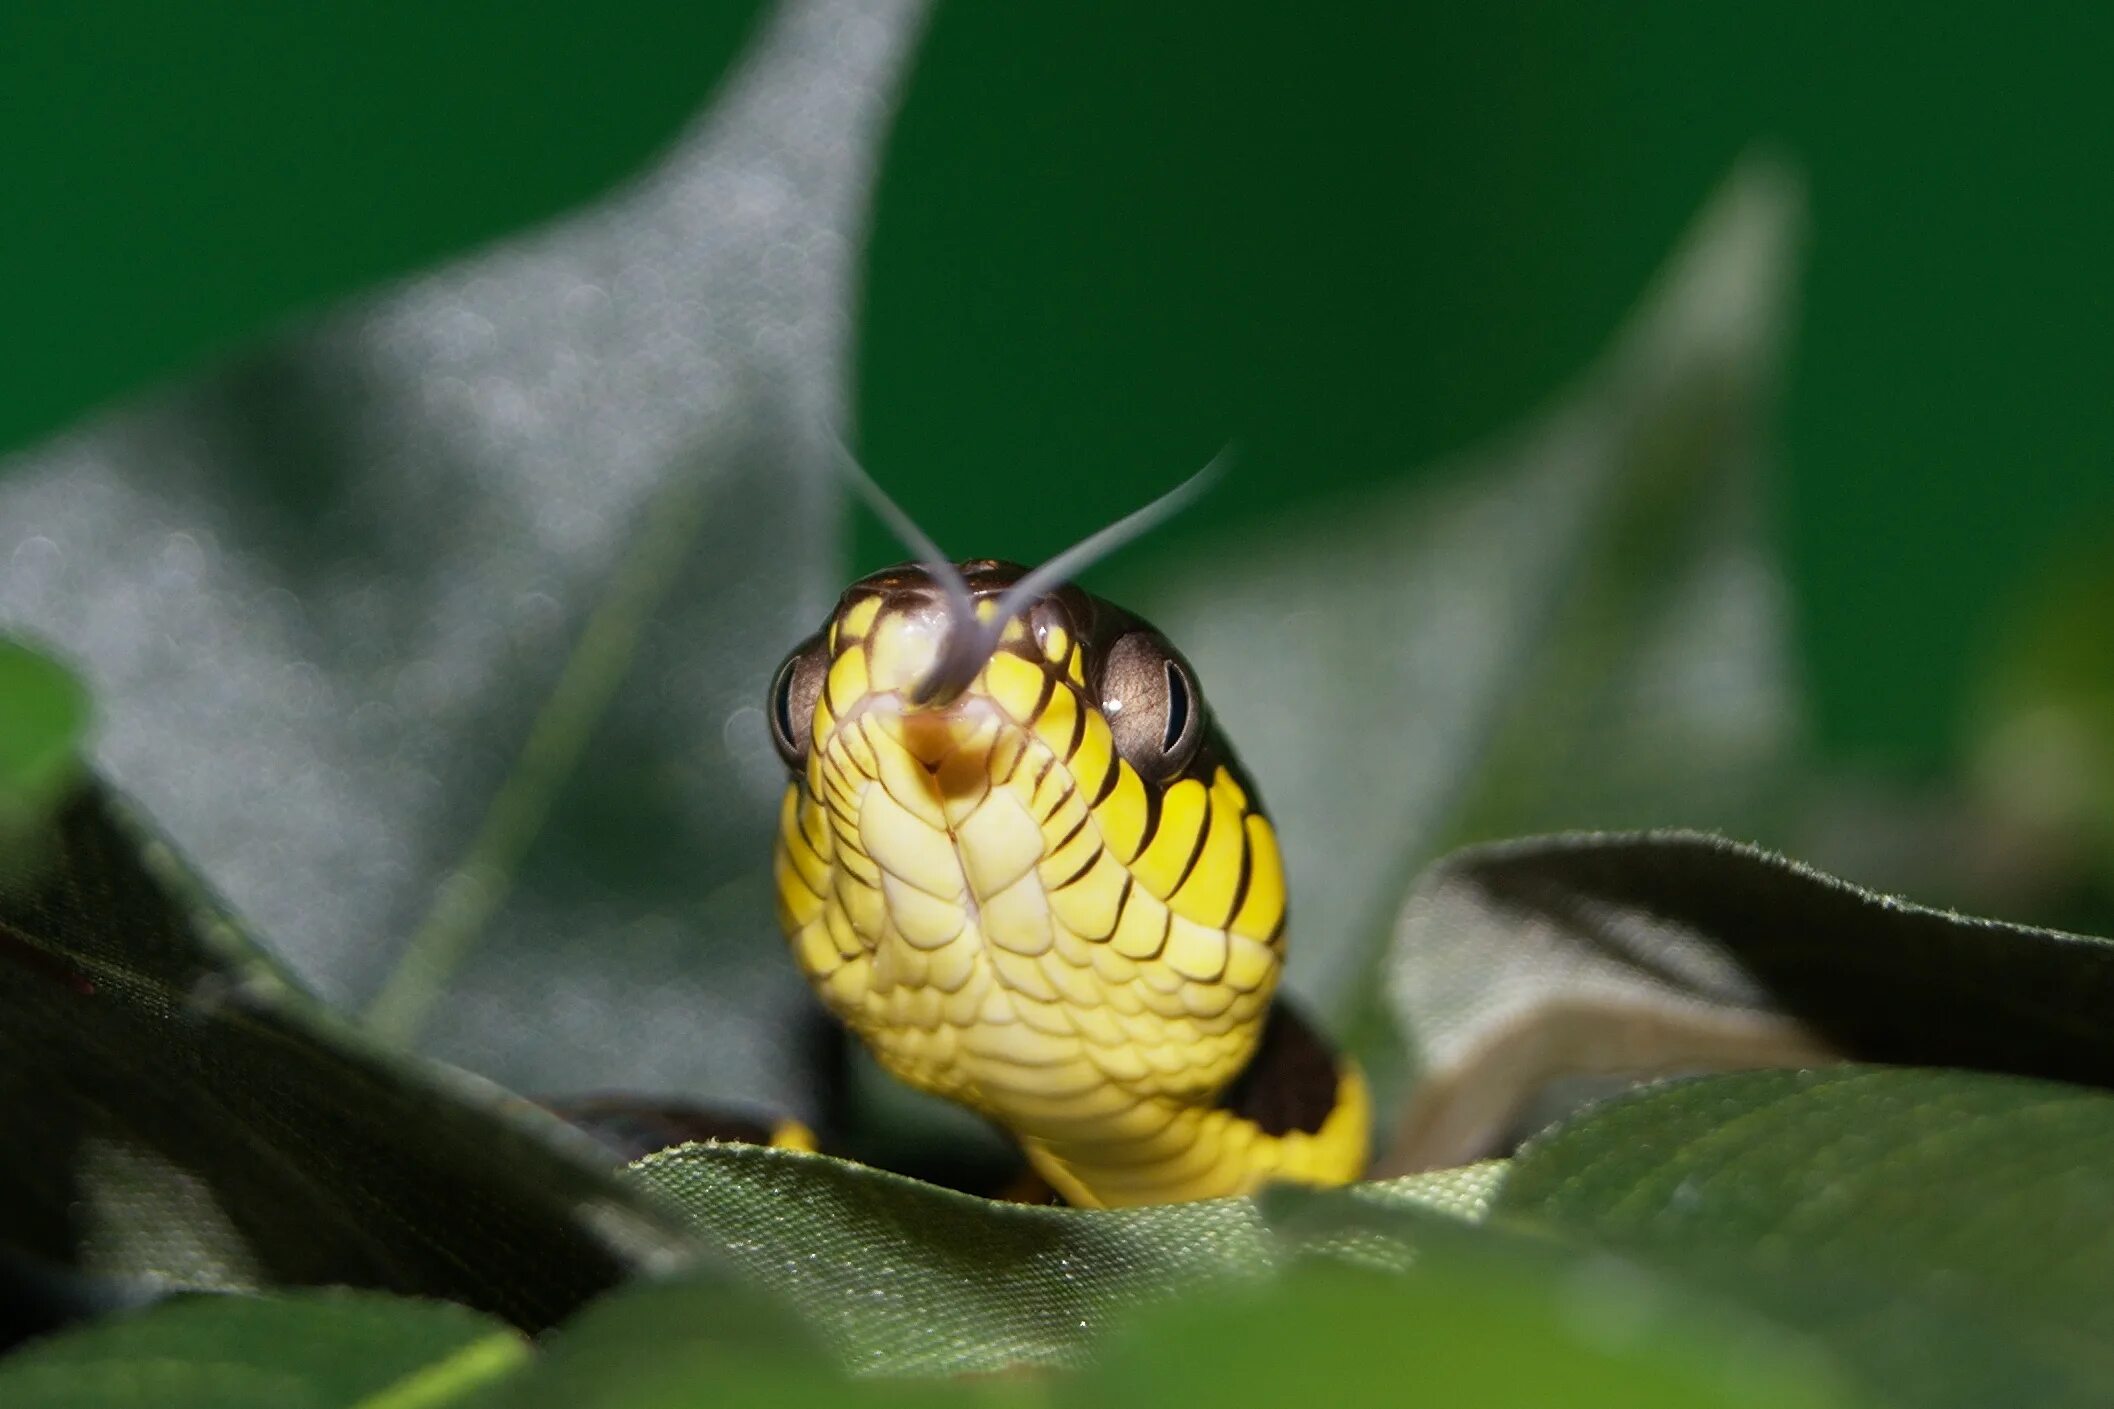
963	653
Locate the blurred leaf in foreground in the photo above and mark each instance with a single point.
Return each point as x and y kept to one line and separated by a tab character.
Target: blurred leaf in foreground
671	1345
319	1350
1467	1323
437	634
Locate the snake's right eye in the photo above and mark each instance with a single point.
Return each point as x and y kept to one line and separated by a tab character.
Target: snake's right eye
792	706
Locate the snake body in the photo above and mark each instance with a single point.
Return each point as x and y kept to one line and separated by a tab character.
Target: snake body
1053	897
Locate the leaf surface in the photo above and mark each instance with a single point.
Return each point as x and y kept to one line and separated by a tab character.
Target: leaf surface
1610	958
181	1117
900	1277
1945	1231
316	1350
437	634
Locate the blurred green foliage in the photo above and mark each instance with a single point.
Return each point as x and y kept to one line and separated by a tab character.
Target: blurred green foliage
39	732
1110	238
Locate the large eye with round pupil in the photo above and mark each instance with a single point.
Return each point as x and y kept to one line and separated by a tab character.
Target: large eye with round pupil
792	704
1151	701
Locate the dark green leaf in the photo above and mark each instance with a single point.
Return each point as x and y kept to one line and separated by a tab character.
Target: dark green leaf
179	1116
319	1350
1948	1232
1624	956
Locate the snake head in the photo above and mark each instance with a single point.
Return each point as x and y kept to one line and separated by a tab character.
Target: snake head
896	643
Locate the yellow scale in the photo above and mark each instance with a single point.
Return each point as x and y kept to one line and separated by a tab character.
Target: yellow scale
1013	916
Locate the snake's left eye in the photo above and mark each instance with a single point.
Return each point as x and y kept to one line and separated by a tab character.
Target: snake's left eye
1152	704
792	705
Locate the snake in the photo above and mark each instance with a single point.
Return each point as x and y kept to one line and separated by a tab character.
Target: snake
1017	858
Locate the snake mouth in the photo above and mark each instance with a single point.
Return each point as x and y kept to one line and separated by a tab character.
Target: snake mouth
936	803
933	734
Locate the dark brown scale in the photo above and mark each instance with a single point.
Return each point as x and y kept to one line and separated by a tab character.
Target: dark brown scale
1057	804
1196	851
1240	887
1077	827
1290	1082
1078	875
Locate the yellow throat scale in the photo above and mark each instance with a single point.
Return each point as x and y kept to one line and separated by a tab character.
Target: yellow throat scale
1050	893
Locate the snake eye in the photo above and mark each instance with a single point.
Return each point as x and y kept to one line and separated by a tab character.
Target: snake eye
792	706
1151	701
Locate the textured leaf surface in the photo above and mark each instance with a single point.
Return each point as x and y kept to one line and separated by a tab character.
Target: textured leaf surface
321	1350
899	1277
1213	1302
1948	1232
436	634
1623	956
180	1117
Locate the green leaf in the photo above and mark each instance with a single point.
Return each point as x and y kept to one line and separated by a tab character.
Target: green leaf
437	634
179	1116
1611	958
1466	1323
899	1277
318	1350
1574	627
676	1344
1948	1232
40	743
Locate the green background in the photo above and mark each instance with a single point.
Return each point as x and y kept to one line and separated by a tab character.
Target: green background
1111	237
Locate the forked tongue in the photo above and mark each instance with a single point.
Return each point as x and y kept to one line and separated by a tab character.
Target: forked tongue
971	637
